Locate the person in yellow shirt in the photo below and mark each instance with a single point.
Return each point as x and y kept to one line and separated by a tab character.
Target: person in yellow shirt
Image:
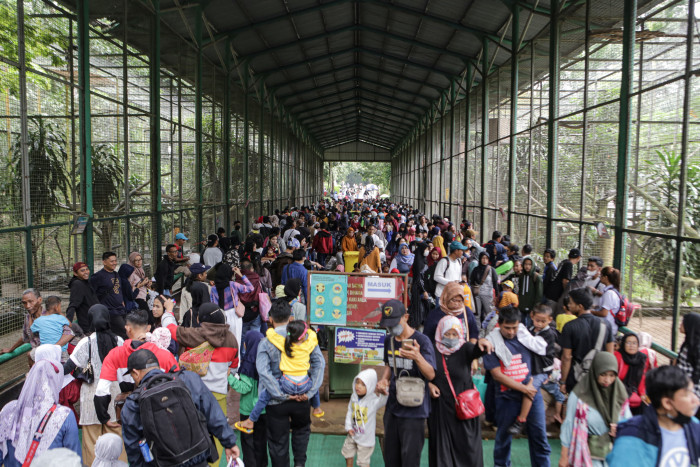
296	350
508	297
564	317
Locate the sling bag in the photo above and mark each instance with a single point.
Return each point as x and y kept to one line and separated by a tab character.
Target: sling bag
410	390
468	404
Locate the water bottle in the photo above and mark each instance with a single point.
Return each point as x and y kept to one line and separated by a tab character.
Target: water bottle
145	451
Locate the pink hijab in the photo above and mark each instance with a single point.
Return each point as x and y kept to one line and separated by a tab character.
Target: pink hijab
445	324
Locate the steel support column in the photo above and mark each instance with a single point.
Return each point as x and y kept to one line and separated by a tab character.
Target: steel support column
485	138
85	129
552	126
246	155
198	127
514	69
226	133
467	122
261	147
154	78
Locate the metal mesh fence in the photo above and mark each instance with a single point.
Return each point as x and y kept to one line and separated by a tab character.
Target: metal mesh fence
588	164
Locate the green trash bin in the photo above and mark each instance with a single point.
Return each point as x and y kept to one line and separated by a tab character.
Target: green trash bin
340	375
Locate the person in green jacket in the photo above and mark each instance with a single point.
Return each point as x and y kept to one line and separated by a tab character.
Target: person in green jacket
529	289
245	382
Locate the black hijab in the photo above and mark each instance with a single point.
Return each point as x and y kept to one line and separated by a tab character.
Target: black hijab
691	324
419	259
99	321
479	270
222	280
636	364
211	313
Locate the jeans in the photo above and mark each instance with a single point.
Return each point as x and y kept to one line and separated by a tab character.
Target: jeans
538	380
288	386
280	418
553	388
506	412
253	325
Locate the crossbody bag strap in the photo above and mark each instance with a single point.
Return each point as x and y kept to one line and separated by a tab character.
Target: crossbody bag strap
393	357
37	437
601	335
449	380
487	271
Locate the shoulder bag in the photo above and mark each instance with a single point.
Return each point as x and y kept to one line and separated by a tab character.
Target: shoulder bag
476	287
410	390
87	374
468	404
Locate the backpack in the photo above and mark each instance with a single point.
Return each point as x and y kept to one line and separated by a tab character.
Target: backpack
584	367
430	284
624	313
175	430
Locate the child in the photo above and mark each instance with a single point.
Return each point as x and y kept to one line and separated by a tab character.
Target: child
361	419
468	297
296	350
508	297
542	365
49	327
564	317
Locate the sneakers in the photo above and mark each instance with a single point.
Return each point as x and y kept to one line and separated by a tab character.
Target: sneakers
516	428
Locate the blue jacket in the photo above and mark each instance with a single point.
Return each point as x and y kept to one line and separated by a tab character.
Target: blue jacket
638	441
204	400
268	365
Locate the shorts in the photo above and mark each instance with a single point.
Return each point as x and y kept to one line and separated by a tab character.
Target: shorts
350	448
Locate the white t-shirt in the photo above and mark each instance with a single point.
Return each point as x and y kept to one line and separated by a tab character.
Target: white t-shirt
611	302
674	449
212	256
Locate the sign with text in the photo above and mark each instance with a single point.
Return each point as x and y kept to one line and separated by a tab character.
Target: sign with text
363	346
380	287
328	299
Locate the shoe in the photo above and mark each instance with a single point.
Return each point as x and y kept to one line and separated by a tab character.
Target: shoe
320	414
239	427
515	428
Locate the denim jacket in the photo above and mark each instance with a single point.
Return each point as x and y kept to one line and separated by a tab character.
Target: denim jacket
268	364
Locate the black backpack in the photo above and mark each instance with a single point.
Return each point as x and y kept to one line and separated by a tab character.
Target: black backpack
175	430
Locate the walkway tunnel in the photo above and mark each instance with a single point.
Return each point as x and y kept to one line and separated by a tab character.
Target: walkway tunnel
561	123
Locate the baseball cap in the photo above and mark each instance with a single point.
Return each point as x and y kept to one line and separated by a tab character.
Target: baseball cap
508	284
181	236
455	245
198	268
574	253
140	360
392	311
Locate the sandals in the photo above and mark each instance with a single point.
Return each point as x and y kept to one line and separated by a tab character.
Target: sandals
319	415
240	427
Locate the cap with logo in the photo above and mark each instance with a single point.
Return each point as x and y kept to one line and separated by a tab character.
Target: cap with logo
198	268
508	284
392	311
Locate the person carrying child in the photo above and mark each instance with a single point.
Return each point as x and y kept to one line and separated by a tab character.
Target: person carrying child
361	419
296	349
49	327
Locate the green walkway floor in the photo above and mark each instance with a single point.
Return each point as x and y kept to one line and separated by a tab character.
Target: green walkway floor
324	451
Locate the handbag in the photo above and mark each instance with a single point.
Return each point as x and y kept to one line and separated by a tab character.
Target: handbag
86	374
264	305
476	287
197	359
410	390
37	437
468	404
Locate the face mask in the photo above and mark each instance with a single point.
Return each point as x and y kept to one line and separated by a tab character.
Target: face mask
590	273
450	343
426	253
681	419
396	330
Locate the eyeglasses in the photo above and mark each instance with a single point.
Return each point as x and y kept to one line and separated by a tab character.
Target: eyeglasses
632	343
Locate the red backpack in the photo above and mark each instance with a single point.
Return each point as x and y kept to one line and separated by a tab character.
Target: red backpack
624	313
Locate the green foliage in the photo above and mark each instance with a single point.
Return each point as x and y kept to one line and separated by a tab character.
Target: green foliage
107	178
378	173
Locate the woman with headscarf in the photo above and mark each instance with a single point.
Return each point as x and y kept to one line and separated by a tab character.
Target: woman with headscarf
689	354
20	419
434	256
128	292
292	289
348	243
107	451
369	257
452	304
485	278
595	406
403	260
138	280
439	243
632	366
420	304
214	331
453	442
92	350
225	293
245	382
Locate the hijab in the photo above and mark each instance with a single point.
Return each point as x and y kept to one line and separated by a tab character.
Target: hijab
251	341
125	271
140	273
292	289
479	270
635	363
431	261
50	352
691	324
20	418
99	321
211	313
439	243
419	259
451	290
445	324
222	281
107	451
608	401
404	260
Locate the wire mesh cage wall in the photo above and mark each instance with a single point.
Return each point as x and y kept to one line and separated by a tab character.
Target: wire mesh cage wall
604	128
108	112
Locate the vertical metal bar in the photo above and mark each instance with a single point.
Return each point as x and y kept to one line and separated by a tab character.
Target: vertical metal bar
85	127
552	124
514	70
227	139
584	139
485	136
156	181
125	132
246	155
441	187
623	142
529	141
683	187
467	122
453	99
261	147
198	125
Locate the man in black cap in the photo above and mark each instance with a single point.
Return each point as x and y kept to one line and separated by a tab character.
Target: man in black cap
412	355
143	366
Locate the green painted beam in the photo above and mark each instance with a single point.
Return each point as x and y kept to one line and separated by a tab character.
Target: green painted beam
227	142
354	99
155	147
552	126
198	119
261	147
400	76
485	140
325	35
304	79
407	61
246	154
513	153
359	126
467	122
361	90
361	105
371	118
359	79
85	130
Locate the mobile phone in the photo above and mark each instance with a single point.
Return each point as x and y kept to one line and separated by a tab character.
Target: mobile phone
407	344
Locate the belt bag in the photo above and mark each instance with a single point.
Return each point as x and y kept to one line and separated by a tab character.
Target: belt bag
410	390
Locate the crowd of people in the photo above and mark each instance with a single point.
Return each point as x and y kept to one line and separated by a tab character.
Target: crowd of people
145	359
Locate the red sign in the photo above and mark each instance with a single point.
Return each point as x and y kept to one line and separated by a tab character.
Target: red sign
363	310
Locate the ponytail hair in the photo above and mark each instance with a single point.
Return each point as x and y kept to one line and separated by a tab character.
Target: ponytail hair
613	276
296	331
